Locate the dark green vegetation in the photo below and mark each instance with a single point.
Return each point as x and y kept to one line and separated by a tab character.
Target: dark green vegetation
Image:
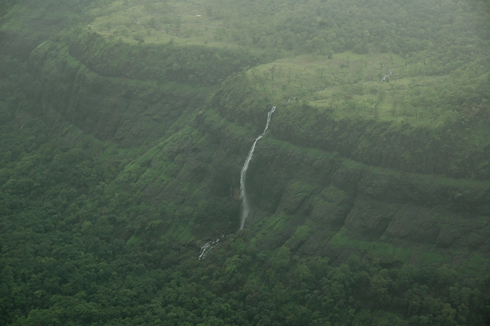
124	126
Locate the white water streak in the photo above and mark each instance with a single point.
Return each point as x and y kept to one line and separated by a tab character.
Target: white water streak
206	248
386	76
243	192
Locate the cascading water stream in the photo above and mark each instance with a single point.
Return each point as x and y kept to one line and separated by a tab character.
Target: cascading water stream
206	248
386	76
243	193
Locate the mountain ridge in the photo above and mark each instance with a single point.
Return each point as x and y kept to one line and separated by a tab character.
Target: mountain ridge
369	199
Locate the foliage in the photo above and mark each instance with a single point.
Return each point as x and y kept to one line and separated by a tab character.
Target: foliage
191	64
114	169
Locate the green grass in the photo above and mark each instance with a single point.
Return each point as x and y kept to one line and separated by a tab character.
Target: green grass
348	82
309	152
375	249
180	231
311	74
475	265
274	223
161	22
423	181
134	240
426	258
350	85
301	234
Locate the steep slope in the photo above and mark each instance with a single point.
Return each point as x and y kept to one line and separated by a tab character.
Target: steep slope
368	179
323	188
121	157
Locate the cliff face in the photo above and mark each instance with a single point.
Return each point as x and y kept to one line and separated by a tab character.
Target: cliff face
347	204
320	203
102	100
318	185
458	149
120	165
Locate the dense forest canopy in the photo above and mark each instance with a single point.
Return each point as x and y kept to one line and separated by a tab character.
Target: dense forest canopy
124	126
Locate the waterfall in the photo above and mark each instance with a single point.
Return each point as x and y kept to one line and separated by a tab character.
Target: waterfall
243	193
386	76
206	248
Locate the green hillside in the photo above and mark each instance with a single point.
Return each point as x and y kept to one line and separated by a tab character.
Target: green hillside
124	127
